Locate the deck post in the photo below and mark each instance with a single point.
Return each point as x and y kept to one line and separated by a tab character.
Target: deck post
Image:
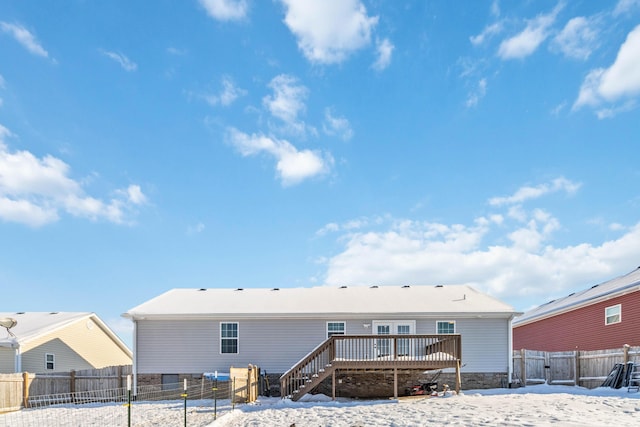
333	385
395	383
458	379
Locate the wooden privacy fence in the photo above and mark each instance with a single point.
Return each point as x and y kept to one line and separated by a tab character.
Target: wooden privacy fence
15	389
245	382
582	368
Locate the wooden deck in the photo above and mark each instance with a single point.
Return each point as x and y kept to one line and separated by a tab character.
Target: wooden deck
365	352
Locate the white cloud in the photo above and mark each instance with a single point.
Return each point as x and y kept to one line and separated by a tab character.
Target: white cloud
339	126
121	59
620	80
524	263
488	32
385	50
195	229
477	94
34	190
527	41
625	6
495	8
226	10
577	39
287	102
528	193
329	31
292	165
25	38
230	92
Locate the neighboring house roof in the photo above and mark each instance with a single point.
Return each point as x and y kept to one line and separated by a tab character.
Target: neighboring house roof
33	325
621	285
311	302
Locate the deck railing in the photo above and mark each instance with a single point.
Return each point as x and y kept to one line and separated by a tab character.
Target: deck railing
371	352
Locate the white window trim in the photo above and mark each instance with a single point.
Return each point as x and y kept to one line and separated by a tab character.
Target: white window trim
237	338
455	327
394	324
619	307
336	321
46	361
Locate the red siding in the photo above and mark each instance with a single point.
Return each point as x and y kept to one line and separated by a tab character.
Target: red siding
583	328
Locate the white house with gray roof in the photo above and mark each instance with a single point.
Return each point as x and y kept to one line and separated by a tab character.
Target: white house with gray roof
191	331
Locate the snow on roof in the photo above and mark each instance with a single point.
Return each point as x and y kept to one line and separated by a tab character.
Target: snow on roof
34	324
310	302
629	282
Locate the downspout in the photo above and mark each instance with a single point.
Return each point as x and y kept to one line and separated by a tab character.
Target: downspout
510	350
18	358
135	356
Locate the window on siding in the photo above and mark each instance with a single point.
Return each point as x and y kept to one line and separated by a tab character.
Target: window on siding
228	338
446	327
50	361
613	314
336	328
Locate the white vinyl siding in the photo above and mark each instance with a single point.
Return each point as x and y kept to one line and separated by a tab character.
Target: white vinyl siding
7	360
193	346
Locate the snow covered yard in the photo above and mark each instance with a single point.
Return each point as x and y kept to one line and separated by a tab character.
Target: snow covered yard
541	405
531	406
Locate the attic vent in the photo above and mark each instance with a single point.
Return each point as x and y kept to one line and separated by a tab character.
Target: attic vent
406	286
343	287
275	289
240	289
20	312
571	294
374	287
594	286
202	289
54	312
439	286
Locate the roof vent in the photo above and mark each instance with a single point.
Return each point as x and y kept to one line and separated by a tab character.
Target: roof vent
54	312
406	286
275	289
240	289
439	286
374	287
202	289
595	286
343	287
20	312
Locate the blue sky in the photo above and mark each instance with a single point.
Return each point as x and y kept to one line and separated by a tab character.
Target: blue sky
217	143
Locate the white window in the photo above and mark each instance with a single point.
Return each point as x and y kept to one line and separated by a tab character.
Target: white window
336	328
50	361
229	338
446	327
613	314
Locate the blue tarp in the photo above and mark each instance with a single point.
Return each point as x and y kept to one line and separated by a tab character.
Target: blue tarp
222	376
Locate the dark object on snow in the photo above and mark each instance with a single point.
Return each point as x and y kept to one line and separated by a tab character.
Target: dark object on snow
422	389
615	377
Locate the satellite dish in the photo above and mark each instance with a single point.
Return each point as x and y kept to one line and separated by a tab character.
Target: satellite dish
8	322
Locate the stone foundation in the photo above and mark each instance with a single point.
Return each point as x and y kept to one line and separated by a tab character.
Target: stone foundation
367	384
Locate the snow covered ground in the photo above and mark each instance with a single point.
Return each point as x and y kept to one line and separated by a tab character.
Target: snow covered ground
541	405
531	406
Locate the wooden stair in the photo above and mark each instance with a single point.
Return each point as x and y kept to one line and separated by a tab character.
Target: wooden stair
371	352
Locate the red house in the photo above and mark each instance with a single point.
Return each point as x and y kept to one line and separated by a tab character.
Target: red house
605	316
